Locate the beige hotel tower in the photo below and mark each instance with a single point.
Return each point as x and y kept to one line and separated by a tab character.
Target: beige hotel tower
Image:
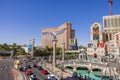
63	35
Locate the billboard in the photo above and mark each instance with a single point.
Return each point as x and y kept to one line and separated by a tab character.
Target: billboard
73	44
73	41
100	44
95	33
30	47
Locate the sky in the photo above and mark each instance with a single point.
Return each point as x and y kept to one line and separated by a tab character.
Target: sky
22	20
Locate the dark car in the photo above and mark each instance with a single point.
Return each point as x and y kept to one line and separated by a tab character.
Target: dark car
33	77
28	66
34	65
21	68
40	68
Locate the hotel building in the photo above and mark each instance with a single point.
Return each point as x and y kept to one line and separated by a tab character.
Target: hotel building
63	34
111	25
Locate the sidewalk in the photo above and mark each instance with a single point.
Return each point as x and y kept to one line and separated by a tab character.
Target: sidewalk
17	75
57	72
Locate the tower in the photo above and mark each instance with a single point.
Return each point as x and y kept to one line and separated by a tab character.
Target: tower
110	6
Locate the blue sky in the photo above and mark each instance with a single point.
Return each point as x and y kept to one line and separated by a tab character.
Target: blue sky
21	20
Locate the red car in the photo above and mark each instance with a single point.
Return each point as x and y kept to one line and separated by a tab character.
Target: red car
45	72
34	65
28	72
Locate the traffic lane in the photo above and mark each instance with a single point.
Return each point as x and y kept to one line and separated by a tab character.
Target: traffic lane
39	74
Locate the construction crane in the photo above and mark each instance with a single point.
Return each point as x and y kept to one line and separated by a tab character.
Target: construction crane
110	6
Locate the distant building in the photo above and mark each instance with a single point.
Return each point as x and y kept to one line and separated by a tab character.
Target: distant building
25	47
63	34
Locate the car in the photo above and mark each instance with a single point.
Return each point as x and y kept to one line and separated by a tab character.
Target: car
45	72
28	66
28	72
21	68
51	77
33	77
39	68
34	65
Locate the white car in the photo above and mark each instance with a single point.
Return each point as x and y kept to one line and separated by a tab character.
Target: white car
51	77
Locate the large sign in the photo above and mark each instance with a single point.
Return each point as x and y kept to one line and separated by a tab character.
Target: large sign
100	44
95	33
56	32
73	41
73	44
30	47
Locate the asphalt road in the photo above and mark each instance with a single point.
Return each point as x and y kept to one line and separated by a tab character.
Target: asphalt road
38	73
5	72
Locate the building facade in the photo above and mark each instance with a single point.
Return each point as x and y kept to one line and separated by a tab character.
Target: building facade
96	45
63	34
111	25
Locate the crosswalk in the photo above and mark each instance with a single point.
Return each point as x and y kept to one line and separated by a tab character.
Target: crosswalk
5	66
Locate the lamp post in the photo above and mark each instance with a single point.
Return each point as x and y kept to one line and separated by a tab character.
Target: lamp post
62	69
54	51
63	51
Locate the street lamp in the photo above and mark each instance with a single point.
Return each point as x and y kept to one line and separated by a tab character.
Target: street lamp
63	51
62	69
54	51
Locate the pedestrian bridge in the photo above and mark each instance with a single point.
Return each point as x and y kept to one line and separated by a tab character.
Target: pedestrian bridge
88	65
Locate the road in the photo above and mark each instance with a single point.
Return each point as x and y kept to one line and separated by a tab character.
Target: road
40	76
5	69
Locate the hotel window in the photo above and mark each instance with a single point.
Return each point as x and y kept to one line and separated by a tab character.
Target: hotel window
115	22
106	37
110	37
108	22
104	22
112	22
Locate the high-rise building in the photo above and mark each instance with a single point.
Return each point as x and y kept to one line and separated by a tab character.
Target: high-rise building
63	34
111	25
